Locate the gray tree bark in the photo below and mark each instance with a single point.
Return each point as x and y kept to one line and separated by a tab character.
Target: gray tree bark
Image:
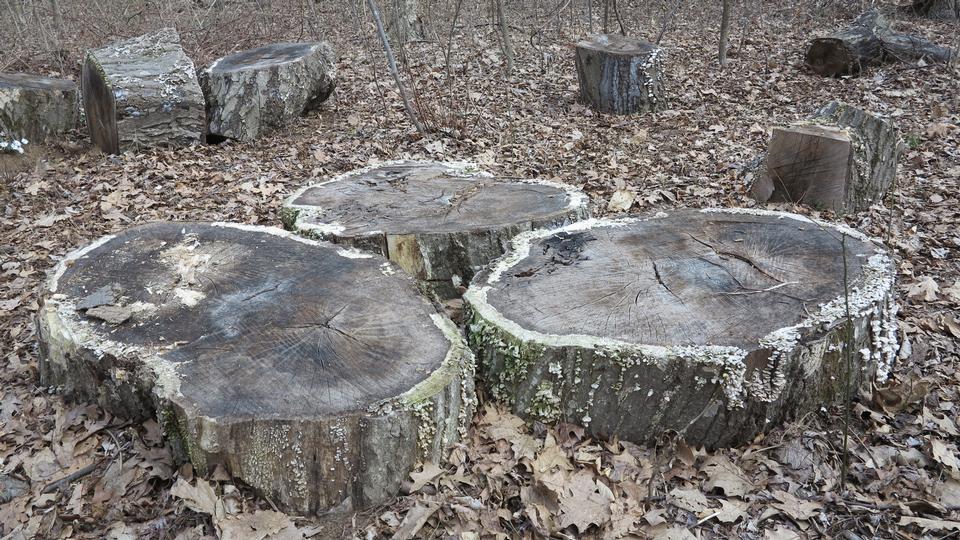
142	92
620	75
937	9
36	108
708	335
252	93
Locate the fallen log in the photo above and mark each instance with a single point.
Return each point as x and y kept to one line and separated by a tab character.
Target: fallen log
142	92
869	41
36	108
318	376
252	93
441	222
843	159
620	75
717	323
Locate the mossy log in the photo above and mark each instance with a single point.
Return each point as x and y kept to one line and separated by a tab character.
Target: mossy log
142	92
716	324
843	159
316	375
620	75
937	9
441	222
252	93
869	41
35	107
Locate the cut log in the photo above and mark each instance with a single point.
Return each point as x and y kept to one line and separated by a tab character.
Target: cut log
315	375
620	75
36	108
142	92
869	41
843	159
403	21
441	222
252	93
713	323
937	9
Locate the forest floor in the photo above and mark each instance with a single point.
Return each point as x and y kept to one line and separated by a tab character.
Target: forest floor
507	479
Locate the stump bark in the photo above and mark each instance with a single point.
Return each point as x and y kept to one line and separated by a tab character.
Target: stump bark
255	92
316	375
620	75
441	222
937	9
869	41
142	92
713	323
36	108
842	159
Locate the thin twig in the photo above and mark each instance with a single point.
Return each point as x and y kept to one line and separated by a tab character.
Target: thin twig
392	64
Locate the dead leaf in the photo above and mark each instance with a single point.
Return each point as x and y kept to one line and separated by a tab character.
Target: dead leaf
926	288
726	476
930	524
199	498
796	508
691	500
415	519
424	476
946	455
584	502
621	200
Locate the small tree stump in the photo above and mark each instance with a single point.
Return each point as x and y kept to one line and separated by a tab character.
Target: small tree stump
620	75
255	92
142	92
35	107
869	41
441	222
318	376
937	9
843	159
713	323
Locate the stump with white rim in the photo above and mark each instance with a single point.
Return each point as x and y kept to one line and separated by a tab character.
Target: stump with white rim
318	376
35	107
713	323
620	75
252	93
441	222
142	92
842	159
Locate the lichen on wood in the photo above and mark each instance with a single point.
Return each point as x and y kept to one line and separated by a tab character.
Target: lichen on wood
712	323
36	108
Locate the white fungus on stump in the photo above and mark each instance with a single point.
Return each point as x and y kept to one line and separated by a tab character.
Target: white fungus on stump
35	108
317	376
620	75
439	221
252	93
142	92
712	323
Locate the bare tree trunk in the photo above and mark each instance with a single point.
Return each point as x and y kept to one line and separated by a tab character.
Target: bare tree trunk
505	35
724	33
392	64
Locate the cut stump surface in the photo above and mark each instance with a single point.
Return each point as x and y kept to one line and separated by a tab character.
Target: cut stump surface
620	75
35	107
315	375
252	93
712	323
142	92
441	222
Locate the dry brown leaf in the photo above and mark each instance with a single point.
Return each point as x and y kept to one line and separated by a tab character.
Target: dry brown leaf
691	500
584	501
424	476
415	519
946	455
925	288
930	524
259	525
796	508
727	476
199	498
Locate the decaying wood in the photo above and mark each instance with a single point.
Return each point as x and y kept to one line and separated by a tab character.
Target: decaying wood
620	75
441	222
842	159
35	107
252	93
142	92
937	9
318	376
869	41
713	323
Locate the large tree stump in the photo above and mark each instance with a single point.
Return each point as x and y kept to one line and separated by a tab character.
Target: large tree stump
35	107
316	375
843	159
713	323
252	93
937	9
142	92
869	41
620	75
441	222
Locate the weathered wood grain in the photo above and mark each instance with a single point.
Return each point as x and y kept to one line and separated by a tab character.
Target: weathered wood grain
317	376
441	222
620	75
35	107
714	323
142	92
252	93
